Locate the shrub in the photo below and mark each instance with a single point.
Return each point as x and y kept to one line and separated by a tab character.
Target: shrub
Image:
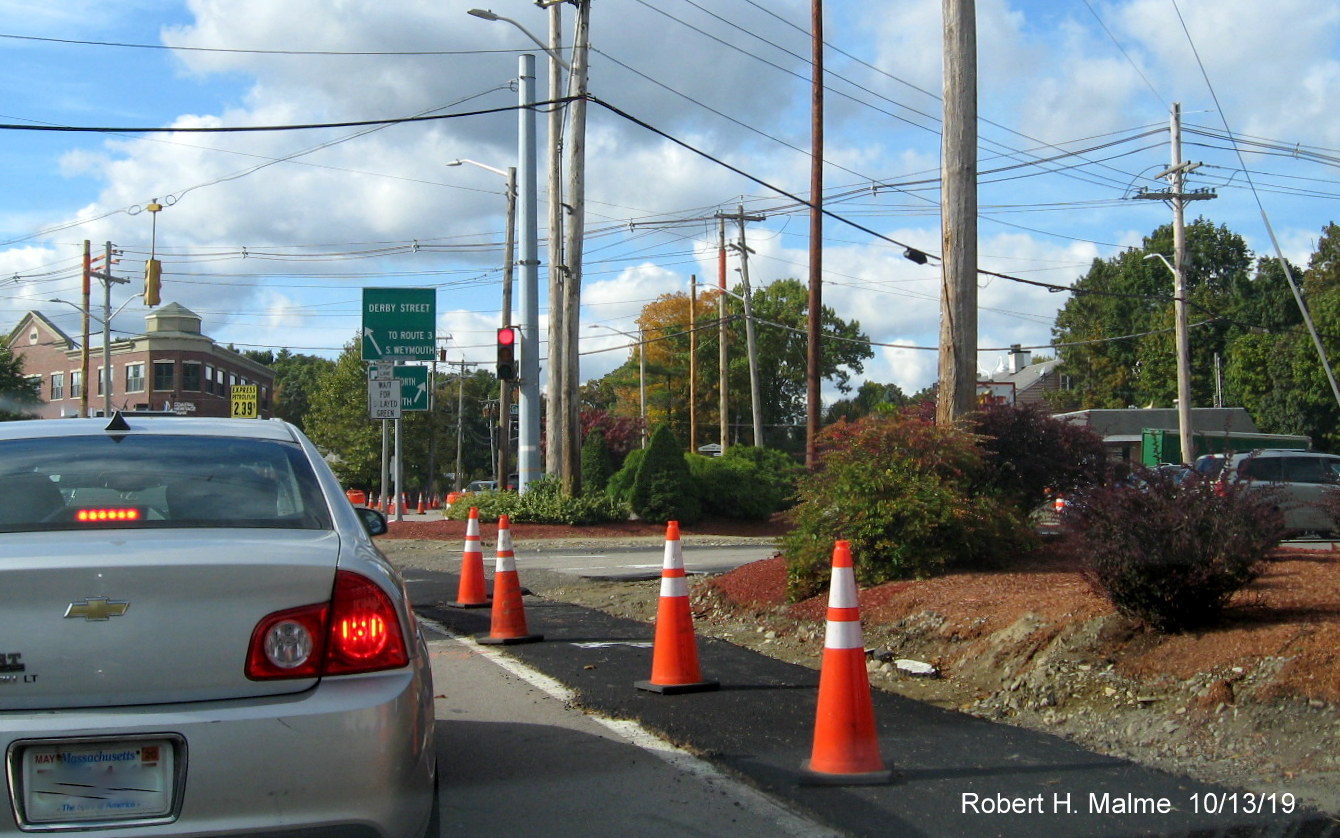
597	463
750	486
1169	554
663	489
777	473
1028	452
620	486
543	503
907	494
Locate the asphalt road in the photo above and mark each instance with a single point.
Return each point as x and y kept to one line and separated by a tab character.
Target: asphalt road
517	760
954	775
631	563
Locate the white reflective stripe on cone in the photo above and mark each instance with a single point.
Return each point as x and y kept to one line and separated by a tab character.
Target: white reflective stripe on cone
674	586
844	634
673	557
842	590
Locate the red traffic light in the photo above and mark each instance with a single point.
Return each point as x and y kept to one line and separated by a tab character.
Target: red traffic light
507	370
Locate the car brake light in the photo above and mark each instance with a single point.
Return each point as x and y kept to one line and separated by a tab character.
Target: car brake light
358	631
364	628
108	515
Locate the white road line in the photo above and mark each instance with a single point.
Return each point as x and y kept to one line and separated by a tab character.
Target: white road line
788	822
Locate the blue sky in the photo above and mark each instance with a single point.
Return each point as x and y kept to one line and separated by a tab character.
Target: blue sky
272	236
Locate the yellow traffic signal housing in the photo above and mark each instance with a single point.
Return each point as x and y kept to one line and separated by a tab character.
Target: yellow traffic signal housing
153	280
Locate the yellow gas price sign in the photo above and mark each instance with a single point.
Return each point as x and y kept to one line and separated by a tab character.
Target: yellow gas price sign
245	402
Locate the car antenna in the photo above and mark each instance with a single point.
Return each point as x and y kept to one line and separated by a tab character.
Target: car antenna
118	423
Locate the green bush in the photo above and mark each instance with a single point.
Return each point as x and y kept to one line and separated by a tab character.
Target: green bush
908	496
543	503
746	482
663	488
620	486
1169	554
597	463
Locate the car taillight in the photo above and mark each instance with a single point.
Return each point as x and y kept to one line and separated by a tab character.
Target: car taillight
358	631
107	515
364	628
288	644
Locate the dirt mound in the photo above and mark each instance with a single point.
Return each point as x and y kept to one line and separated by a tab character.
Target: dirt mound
1251	702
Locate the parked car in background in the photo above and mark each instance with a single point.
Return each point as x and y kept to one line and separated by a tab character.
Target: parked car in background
199	638
470	488
1302	480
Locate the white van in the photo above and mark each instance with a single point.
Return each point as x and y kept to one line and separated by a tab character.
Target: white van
1303	479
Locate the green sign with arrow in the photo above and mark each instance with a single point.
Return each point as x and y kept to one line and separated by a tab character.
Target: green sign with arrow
399	324
413	388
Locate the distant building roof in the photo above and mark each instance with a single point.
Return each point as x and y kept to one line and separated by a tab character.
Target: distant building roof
1129	422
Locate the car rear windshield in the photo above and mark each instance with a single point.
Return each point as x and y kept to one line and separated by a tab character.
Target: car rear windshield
148	481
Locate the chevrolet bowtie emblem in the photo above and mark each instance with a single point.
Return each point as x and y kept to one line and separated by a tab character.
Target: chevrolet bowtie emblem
98	608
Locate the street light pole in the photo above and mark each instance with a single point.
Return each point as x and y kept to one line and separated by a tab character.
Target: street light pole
504	387
529	467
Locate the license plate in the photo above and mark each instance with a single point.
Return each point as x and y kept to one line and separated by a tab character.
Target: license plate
103	780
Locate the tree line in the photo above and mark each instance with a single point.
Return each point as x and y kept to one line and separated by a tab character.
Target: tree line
1114	338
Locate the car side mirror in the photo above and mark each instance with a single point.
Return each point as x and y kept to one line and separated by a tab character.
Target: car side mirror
374	521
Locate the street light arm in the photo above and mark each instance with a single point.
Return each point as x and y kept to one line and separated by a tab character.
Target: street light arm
486	14
1161	258
493	169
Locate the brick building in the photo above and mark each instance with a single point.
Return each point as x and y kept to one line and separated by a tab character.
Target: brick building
172	366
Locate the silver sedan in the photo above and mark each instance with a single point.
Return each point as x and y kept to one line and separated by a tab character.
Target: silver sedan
198	637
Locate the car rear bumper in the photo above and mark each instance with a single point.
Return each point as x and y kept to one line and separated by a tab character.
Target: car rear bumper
352	756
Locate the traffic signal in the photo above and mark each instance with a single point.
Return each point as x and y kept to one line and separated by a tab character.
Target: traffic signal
507	354
153	277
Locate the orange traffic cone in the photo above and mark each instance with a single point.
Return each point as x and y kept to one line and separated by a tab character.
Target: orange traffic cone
674	656
509	612
420	509
471	593
846	748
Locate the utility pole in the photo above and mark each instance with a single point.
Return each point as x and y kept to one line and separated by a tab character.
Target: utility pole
756	402
83	352
723	401
814	351
553	423
958	211
105	276
505	387
1177	196
693	363
570	397
460	417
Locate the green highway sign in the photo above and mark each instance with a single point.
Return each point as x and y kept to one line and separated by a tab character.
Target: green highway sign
413	387
399	324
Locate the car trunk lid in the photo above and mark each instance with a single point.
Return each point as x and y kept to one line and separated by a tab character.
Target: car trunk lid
96	619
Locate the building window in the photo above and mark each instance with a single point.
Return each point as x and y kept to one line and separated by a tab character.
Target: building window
135	378
76	384
57	385
165	373
190	376
102	377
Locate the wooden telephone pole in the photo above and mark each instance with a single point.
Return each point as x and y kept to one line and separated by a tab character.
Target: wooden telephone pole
958	215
